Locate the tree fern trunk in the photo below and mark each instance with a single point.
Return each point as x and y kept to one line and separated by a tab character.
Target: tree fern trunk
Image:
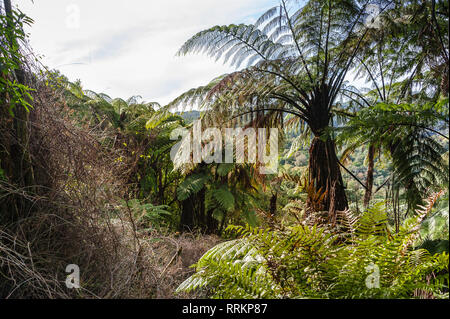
273	204
369	178
193	214
212	225
193	211
325	175
187	215
324	171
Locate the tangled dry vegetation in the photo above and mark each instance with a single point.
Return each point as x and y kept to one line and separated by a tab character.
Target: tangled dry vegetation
72	218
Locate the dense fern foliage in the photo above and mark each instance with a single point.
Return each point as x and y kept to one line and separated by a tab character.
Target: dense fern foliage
368	260
410	135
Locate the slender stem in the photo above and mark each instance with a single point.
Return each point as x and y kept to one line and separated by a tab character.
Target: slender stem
433	15
295	41
299	90
326	44
351	174
359	95
372	78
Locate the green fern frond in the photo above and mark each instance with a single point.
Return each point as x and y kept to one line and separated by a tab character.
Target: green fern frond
304	261
191	185
225	198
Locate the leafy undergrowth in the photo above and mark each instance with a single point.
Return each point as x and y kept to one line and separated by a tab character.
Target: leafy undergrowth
367	260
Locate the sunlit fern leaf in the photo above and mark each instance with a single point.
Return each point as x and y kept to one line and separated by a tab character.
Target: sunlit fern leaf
374	222
191	185
242	267
194	97
412	227
157	118
309	262
245	41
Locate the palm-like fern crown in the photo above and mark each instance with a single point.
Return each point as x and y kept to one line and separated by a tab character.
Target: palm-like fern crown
295	58
132	115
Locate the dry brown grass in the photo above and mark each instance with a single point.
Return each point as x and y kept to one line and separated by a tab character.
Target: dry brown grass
73	219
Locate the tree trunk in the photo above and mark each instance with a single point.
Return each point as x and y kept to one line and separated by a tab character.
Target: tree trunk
193	214
187	215
273	204
369	176
325	176
15	156
324	171
193	211
211	224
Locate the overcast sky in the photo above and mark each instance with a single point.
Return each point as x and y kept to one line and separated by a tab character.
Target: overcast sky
126	48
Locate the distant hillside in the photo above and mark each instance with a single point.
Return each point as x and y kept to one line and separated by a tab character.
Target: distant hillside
189	116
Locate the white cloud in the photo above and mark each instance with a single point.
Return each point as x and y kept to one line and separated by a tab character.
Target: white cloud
128	48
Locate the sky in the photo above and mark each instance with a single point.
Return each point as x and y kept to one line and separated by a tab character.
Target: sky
127	48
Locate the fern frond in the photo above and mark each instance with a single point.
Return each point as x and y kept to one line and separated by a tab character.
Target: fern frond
225	198
191	185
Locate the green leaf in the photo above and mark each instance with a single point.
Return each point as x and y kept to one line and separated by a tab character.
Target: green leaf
225	198
191	185
224	168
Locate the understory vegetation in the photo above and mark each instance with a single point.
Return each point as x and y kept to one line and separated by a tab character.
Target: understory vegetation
358	207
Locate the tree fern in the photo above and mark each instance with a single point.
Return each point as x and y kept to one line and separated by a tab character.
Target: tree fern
296	58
